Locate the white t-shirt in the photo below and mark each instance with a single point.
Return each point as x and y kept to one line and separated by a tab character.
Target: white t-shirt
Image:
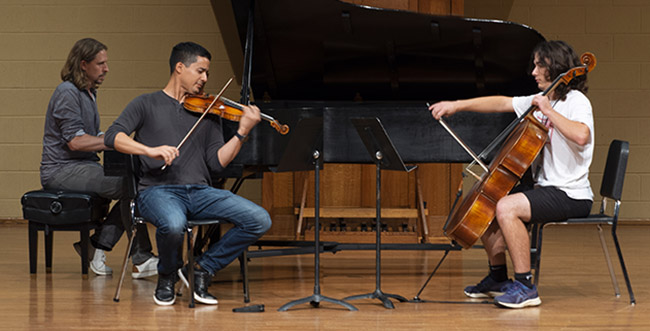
565	164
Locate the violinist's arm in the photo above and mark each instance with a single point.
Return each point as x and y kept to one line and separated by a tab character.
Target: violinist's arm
250	118
491	104
229	151
126	144
87	143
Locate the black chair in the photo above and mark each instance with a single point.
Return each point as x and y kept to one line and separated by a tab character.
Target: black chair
117	164
50	211
610	190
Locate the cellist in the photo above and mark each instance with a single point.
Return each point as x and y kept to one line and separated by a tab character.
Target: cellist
560	188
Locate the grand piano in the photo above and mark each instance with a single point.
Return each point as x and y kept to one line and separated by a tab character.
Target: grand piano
336	60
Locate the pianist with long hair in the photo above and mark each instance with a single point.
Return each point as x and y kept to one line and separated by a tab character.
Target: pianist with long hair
69	161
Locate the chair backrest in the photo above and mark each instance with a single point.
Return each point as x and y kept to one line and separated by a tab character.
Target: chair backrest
123	165
131	180
614	175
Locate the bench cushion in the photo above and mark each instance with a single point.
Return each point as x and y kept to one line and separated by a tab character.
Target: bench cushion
63	207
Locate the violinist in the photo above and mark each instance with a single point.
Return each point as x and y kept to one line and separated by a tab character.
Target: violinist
561	186
169	197
69	161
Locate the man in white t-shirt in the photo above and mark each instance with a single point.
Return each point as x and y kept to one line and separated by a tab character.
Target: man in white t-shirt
561	188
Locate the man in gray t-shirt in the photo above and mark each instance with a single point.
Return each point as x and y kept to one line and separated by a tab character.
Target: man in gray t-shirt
71	140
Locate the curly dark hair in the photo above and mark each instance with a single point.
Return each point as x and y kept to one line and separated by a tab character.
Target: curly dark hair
558	57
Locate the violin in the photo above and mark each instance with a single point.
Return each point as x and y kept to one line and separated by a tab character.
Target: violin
227	109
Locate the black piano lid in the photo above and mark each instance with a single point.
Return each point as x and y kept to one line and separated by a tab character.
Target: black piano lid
332	50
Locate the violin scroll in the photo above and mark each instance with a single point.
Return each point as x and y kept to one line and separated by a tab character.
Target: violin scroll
282	128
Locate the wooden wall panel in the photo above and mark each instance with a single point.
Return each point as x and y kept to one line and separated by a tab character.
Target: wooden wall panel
435	7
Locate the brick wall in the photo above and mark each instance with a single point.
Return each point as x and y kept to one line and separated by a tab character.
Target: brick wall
618	33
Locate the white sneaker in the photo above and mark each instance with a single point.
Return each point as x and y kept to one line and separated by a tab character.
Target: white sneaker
146	268
98	264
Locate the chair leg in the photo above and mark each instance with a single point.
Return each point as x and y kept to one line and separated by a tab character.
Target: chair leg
49	239
532	231
125	263
190	263
538	253
620	258
243	266
617	291
84	235
33	247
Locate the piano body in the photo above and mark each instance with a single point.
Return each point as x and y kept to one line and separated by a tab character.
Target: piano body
336	60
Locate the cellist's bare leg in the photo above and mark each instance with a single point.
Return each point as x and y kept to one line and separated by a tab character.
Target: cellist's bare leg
494	244
512	211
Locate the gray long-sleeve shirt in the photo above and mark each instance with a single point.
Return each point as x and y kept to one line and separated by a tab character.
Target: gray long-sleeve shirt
71	112
158	119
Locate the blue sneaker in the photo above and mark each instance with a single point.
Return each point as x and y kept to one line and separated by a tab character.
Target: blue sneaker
487	288
518	295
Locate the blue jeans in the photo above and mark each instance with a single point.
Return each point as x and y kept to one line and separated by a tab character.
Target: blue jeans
168	207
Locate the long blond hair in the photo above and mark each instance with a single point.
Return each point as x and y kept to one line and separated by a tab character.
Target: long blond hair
83	50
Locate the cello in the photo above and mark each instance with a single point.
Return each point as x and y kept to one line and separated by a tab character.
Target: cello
526	137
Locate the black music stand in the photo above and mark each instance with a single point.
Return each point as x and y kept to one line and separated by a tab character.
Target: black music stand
385	156
303	152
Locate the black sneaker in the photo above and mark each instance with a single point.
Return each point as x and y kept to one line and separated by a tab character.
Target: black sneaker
165	294
486	288
201	282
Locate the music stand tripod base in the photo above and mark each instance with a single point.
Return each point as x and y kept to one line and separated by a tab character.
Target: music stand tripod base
385	156
303	153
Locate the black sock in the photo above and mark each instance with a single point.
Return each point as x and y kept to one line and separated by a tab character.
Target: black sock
525	278
499	272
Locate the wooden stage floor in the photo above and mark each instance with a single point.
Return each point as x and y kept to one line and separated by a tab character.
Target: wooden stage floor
575	289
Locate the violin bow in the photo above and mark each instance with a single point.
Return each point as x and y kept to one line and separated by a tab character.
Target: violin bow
207	110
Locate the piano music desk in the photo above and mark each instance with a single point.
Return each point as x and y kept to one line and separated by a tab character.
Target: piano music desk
420	213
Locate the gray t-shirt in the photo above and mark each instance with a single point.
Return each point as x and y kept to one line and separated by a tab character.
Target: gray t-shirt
158	119
71	112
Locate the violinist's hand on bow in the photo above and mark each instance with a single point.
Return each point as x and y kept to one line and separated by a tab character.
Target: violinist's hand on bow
164	152
443	108
249	119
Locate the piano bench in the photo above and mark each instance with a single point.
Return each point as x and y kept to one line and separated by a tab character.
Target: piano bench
50	211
